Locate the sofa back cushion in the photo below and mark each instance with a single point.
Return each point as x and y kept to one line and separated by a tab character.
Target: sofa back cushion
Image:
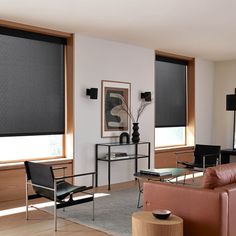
219	176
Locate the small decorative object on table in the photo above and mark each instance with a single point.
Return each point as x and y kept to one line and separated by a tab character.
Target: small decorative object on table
126	136
161	214
135	134
116	155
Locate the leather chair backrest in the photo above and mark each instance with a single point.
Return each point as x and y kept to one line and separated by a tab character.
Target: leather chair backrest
40	174
27	170
202	150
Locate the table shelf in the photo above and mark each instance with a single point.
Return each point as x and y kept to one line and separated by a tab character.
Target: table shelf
128	157
109	159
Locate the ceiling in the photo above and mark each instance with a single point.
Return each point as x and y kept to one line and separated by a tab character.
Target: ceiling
196	28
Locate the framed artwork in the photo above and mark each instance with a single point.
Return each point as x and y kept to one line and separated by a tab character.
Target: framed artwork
114	119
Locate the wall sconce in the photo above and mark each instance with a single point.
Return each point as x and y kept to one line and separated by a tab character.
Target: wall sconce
147	96
231	102
92	92
231	106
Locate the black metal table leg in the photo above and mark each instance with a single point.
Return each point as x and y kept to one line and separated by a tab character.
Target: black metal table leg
136	158
149	155
139	194
109	168
96	165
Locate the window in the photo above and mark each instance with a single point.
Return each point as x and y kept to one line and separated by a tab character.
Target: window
30	147
32	95
171	136
171	102
32	83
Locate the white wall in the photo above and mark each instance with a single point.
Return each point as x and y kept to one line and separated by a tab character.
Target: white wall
225	83
204	91
213	82
97	60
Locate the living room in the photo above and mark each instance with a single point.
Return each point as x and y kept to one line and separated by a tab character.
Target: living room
102	52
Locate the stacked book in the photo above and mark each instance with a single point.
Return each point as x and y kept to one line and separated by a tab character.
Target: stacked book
117	155
156	172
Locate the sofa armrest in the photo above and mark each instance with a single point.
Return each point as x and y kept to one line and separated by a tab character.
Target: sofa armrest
231	190
205	212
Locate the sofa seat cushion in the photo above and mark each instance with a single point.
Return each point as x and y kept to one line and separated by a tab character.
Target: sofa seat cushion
219	176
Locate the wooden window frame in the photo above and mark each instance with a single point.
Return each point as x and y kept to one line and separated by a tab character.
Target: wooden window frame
190	127
68	137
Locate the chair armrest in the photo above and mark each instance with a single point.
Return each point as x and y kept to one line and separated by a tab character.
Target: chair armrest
61	178
76	175
63	168
60	168
178	155
183	152
212	154
217	155
92	174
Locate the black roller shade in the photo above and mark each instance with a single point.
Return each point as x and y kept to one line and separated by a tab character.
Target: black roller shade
31	84
170	87
171	60
31	35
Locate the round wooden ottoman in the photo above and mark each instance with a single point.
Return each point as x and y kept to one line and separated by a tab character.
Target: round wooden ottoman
145	224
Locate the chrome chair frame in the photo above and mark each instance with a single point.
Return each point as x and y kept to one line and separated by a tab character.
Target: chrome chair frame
195	167
60	203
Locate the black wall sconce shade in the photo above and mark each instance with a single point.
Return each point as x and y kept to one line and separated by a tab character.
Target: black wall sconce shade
231	106
92	92
147	96
231	102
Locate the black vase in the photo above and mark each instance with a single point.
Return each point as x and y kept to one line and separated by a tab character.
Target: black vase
135	134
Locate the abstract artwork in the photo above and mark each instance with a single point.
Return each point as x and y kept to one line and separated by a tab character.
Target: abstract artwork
114	119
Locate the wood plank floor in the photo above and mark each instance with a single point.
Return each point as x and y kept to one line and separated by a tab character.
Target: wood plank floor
42	224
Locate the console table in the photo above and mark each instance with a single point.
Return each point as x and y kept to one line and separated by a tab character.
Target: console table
133	156
225	154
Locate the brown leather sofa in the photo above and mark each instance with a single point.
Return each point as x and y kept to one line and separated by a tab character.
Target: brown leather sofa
206	211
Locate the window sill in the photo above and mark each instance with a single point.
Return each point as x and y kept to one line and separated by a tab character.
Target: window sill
20	164
173	149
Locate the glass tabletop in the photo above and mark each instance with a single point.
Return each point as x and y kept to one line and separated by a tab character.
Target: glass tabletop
168	172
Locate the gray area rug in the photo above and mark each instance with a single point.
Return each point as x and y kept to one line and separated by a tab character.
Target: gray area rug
112	212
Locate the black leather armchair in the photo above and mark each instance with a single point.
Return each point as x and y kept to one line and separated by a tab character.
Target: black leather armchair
41	177
204	156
